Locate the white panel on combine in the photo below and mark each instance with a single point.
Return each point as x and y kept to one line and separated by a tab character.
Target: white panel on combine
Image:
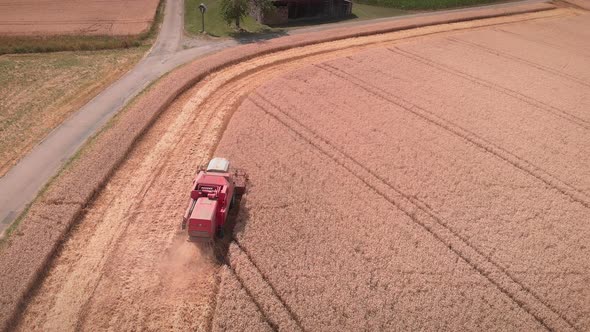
218	165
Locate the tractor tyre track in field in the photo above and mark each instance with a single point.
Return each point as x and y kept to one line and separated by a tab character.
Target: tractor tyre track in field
292	315
527	167
536	41
221	250
161	164
519	59
508	281
529	100
124	266
220	91
492	271
266	319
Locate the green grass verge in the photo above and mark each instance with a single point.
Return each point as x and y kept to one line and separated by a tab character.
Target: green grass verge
361	10
424	4
366	12
43	44
214	24
216	27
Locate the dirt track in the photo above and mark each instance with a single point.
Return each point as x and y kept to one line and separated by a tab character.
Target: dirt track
456	199
88	17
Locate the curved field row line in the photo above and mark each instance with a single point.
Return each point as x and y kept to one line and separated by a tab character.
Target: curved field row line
509	92
247	80
199	124
232	93
258	305
220	250
294	317
142	186
362	39
522	296
542	42
223	96
306	56
550	180
215	101
519	59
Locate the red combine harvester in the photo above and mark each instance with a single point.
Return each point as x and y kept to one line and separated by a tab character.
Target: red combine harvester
215	191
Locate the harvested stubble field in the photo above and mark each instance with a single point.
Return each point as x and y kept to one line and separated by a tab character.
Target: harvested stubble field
81	17
39	91
434	178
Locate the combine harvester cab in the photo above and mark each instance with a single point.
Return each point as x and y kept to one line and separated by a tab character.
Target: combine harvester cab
215	190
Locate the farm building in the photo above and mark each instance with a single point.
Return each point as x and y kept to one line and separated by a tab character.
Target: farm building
285	10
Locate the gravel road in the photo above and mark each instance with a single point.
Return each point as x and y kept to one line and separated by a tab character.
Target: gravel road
21	184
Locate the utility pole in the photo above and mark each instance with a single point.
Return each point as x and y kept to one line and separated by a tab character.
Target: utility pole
203	9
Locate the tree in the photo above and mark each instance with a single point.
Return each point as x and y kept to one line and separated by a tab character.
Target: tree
233	10
264	6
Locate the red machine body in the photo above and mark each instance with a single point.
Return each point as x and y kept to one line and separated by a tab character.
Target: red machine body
213	194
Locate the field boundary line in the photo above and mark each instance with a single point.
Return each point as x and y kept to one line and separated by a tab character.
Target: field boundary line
427	116
493	272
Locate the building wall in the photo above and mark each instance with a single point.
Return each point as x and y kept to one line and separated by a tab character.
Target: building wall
294	9
280	15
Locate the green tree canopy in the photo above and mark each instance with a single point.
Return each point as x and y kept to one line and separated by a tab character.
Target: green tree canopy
235	10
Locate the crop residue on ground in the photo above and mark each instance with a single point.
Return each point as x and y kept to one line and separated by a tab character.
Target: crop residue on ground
392	186
439	183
